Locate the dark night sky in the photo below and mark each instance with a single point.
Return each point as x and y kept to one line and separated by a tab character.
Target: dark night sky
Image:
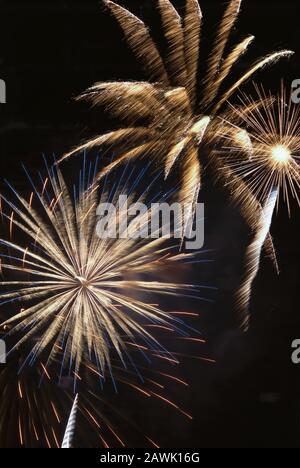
52	50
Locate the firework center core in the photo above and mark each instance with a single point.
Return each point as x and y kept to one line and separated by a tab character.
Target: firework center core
84	283
280	154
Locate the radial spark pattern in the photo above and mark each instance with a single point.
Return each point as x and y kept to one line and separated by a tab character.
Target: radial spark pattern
83	290
272	133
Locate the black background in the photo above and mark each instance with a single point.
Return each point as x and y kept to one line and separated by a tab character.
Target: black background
52	50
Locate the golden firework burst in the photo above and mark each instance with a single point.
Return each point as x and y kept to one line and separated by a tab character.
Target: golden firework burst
265	157
82	288
179	106
272	126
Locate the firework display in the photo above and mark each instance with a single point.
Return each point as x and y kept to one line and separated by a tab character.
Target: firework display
183	111
40	410
80	299
269	167
83	290
84	314
179	106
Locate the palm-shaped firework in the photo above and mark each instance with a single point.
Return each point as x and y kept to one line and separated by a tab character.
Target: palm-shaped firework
179	105
183	111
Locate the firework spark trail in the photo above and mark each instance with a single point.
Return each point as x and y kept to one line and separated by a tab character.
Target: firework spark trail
151	385
71	426
30	412
171	106
192	30
253	256
34	407
272	58
80	299
240	194
217	53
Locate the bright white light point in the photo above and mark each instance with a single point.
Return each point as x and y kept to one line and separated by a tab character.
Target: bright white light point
280	154
242	137
201	125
